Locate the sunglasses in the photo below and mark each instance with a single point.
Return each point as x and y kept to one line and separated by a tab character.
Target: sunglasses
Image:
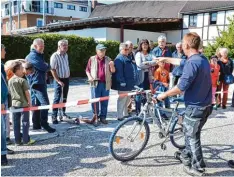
126	49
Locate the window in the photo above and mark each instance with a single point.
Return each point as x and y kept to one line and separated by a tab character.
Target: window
39	22
71	7
213	18
15	7
7	27
83	9
193	20
58	5
7	12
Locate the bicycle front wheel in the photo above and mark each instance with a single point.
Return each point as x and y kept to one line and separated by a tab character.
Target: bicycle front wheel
177	137
129	139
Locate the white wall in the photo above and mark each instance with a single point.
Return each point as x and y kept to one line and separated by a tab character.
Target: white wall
97	33
113	34
74	13
173	36
133	35
206	19
229	13
220	18
185	21
199	20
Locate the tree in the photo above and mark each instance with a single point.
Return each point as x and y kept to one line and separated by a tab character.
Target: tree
226	39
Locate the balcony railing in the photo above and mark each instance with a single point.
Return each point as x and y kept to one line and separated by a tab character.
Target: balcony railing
49	10
36	9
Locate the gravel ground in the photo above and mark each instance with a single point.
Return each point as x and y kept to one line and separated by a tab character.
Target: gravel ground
83	150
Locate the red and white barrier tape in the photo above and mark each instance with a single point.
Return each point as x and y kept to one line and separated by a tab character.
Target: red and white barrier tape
68	104
223	92
75	103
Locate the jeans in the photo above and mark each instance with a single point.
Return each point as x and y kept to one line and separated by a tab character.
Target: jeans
58	93
17	118
233	99
36	115
195	118
96	92
122	105
3	133
40	91
138	98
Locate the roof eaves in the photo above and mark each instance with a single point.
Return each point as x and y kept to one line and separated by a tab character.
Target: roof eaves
208	10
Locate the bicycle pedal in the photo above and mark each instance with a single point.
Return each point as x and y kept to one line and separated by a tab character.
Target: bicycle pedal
163	147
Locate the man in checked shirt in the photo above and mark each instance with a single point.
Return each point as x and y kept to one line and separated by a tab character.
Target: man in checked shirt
61	73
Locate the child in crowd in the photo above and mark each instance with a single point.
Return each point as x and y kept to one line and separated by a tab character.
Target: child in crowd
214	69
9	74
161	83
19	90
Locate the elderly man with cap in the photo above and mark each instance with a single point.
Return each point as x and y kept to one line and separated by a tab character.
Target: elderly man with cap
99	71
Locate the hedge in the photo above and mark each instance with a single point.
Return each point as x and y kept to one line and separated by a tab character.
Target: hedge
80	49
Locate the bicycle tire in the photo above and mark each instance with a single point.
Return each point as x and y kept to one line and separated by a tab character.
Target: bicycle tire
172	137
112	139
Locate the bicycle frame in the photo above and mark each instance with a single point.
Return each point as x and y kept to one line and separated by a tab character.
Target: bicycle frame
150	105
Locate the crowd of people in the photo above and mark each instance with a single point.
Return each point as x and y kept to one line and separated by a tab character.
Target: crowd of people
185	71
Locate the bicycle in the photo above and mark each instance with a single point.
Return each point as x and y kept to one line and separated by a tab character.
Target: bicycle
134	132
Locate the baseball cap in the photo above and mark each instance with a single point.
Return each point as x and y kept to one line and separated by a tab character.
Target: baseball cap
100	47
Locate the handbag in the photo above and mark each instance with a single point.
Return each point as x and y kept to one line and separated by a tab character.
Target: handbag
229	79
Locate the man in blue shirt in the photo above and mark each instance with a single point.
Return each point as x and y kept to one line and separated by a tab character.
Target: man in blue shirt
195	82
178	70
38	82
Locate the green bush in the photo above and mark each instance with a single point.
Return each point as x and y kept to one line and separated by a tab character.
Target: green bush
80	49
226	39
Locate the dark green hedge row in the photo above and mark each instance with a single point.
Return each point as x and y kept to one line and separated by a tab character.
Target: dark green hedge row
80	49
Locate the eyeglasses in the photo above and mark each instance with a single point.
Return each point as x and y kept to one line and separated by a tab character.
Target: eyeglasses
103	50
126	49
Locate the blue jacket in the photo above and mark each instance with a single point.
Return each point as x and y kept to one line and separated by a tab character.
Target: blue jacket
40	67
157	52
124	75
4	89
178	70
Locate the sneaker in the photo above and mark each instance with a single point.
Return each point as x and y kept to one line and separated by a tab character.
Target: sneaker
8	141
104	121
231	163
4	160
120	119
9	151
224	107
54	120
193	172
215	107
31	142
19	144
36	127
49	129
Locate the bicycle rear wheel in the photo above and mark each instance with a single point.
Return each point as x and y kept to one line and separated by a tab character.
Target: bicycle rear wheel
129	139
177	137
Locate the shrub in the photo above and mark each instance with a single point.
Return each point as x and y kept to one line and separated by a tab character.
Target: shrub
80	49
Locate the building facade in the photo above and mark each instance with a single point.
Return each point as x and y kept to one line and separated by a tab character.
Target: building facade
31	13
207	20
